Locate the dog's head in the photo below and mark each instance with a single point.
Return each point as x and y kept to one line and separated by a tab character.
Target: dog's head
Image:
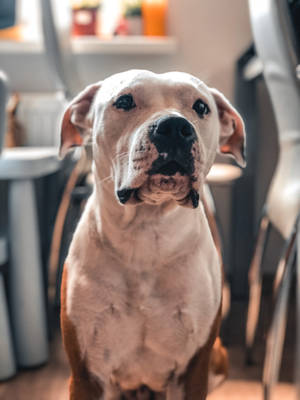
155	136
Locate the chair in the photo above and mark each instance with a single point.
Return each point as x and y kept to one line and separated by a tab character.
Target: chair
7	360
277	48
21	166
220	175
56	24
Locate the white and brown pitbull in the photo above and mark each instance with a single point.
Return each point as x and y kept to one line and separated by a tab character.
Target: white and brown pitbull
142	283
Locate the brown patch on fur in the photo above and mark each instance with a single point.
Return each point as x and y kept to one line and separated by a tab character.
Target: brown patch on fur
75	120
15	134
83	386
232	134
70	136
195	378
219	359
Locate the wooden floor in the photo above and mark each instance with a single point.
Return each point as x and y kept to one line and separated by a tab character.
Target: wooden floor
50	382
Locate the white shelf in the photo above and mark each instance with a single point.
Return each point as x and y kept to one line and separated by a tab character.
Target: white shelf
21	47
125	45
94	45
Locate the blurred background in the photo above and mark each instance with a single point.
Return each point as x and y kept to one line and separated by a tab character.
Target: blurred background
52	49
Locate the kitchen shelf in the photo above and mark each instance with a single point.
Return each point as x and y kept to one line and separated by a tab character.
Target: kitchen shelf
95	45
125	45
21	46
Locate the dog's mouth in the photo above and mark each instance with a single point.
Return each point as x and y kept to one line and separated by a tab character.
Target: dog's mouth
169	165
144	194
169	169
170	176
168	181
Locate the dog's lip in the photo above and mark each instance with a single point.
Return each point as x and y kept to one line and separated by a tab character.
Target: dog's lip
125	194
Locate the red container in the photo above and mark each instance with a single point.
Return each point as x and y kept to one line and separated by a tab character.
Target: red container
85	21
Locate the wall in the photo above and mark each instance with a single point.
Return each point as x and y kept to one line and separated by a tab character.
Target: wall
211	34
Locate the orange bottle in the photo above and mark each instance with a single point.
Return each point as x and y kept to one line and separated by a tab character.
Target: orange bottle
154	17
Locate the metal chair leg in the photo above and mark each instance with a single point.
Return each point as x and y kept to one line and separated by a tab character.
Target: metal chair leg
78	170
276	334
280	268
255	284
297	371
279	273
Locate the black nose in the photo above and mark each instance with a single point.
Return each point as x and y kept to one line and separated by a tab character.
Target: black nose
169	133
173	138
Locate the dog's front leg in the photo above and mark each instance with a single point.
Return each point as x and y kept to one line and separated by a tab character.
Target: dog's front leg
195	380
193	384
82	386
175	391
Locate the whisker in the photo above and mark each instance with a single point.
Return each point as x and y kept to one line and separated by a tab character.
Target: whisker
122	155
125	153
120	159
110	177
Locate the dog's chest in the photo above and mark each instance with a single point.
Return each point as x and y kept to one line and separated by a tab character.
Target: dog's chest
141	325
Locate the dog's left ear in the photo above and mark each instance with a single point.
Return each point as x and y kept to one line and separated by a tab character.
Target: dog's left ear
77	122
232	133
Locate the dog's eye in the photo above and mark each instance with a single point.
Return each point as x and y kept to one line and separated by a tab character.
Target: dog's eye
125	102
201	108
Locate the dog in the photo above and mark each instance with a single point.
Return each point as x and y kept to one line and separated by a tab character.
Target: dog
142	284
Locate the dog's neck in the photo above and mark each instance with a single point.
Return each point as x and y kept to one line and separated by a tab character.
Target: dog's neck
111	215
128	228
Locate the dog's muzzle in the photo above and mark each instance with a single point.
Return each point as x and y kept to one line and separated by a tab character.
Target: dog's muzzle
172	170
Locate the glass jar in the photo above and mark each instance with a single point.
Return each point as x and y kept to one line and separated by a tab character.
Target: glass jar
154	17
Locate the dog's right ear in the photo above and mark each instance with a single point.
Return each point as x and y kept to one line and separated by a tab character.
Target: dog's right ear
77	122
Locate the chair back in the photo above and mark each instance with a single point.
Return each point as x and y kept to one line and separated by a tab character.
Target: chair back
56	24
277	48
